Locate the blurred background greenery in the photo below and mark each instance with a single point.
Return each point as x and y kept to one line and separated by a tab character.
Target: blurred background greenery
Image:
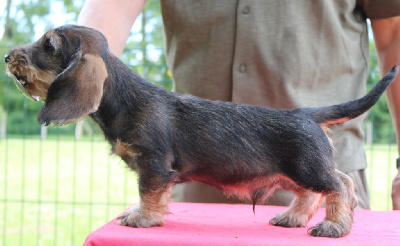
59	184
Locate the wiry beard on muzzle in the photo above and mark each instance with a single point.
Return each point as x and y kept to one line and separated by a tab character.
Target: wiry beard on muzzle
29	80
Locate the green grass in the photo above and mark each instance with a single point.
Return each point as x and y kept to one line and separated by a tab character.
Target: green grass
57	191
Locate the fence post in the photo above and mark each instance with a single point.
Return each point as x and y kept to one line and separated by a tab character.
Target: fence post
43	132
3	123
369	133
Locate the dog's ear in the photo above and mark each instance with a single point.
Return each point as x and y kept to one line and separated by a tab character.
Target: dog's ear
76	92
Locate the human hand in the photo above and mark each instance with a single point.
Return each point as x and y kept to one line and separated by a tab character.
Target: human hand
396	192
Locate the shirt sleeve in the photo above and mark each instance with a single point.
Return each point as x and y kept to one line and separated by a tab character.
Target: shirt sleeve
380	9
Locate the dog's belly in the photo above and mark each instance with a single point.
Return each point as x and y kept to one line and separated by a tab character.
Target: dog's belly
255	189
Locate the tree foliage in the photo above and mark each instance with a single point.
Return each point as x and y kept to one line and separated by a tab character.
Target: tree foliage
25	19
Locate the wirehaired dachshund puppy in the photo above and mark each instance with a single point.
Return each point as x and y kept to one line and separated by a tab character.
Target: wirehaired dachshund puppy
169	138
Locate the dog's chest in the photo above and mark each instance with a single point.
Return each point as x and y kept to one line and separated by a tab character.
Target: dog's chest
126	152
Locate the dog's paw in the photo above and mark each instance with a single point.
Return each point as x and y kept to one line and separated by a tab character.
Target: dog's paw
136	217
328	228
289	220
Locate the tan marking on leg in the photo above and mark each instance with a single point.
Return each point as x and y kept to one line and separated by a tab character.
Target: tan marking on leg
149	212
303	207
339	211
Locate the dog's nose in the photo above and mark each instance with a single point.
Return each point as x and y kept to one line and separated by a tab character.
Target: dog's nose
7	58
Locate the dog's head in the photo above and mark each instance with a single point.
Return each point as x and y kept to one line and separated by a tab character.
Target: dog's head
65	68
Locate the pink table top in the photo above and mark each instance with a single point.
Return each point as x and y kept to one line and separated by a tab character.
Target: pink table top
227	224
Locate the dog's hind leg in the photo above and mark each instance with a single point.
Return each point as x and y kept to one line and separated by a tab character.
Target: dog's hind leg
301	210
340	206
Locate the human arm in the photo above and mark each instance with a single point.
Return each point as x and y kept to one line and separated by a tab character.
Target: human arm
387	42
113	18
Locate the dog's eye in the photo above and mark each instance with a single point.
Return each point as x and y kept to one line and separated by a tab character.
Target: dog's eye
48	45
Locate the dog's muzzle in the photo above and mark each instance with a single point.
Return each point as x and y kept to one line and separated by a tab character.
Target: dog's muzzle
20	86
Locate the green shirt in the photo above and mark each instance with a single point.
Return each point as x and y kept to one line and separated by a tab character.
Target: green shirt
276	53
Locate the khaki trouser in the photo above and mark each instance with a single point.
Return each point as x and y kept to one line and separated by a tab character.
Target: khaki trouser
197	192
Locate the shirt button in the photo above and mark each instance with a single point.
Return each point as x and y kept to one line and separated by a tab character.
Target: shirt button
242	68
246	10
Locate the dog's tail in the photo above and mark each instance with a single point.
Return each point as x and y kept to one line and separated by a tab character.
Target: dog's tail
337	114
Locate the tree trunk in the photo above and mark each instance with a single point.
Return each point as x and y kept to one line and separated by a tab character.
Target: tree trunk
7	26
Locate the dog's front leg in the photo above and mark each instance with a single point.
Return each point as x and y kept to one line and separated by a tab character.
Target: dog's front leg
154	189
149	212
